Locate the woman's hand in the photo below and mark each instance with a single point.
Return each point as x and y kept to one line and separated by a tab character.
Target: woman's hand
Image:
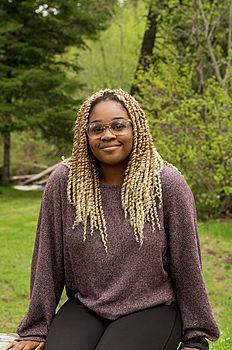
26	345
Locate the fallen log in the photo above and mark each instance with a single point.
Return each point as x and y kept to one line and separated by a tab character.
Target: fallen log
21	177
39	176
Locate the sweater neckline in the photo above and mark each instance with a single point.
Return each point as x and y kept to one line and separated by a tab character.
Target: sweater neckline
103	185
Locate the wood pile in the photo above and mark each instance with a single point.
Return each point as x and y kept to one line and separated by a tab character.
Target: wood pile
34	179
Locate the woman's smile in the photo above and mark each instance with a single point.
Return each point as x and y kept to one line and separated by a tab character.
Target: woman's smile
110	148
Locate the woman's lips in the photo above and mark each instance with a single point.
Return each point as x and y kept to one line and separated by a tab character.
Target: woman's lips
110	147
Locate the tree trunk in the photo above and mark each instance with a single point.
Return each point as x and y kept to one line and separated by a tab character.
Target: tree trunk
6	158
147	44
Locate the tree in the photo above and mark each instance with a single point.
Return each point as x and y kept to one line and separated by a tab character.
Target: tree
35	91
186	93
158	14
147	46
111	60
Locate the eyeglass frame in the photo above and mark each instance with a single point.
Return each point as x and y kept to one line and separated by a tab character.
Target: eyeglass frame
107	126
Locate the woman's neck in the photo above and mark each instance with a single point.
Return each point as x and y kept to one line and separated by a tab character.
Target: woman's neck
113	174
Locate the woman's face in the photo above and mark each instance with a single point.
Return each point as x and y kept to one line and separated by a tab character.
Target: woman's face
109	148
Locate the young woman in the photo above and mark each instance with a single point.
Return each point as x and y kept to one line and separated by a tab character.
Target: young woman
117	228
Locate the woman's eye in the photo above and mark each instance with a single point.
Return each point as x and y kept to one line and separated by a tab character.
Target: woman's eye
118	126
98	128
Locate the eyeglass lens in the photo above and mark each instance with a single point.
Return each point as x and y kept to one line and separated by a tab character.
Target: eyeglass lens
118	127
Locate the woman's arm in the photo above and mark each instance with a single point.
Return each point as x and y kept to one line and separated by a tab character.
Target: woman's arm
47	271
185	260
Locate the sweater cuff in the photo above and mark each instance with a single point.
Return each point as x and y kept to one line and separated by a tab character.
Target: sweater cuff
32	338
197	342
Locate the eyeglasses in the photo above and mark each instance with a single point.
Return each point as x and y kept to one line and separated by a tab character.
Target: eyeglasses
117	127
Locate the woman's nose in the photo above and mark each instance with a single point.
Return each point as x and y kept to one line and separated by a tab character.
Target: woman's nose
108	135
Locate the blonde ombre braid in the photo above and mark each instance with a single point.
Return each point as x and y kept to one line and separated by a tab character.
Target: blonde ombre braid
141	193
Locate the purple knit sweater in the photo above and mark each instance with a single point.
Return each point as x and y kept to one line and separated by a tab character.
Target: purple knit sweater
166	268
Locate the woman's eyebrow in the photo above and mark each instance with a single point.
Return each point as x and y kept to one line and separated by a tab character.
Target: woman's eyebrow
100	120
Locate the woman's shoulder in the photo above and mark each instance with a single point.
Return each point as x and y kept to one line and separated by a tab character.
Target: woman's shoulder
59	176
61	170
172	180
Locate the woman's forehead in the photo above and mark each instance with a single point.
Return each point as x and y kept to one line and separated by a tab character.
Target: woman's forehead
108	110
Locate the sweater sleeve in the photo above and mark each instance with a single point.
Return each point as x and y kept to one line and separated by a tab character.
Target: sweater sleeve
47	269
185	259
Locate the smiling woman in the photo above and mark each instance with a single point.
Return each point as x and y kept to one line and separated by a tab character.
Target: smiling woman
110	145
117	228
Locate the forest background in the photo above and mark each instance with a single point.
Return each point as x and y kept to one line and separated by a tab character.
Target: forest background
174	56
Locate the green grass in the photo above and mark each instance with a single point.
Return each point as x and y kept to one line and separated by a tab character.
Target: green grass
215	238
18	210
18	216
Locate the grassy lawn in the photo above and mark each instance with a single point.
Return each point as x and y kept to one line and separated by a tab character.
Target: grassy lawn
18	216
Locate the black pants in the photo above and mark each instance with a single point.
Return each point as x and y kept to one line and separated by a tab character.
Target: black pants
75	327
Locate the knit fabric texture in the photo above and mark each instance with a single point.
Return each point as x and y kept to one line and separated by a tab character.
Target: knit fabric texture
126	279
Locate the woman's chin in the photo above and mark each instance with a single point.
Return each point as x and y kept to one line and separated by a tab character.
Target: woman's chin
112	160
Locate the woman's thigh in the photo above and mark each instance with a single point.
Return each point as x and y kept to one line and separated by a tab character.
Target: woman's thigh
156	328
74	327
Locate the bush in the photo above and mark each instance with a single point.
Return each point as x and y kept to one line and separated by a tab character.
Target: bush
191	131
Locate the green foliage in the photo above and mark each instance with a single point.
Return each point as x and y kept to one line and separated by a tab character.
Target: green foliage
50	60
31	154
189	104
110	62
191	131
35	90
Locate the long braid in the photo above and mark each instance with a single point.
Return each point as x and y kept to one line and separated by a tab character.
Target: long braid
141	193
